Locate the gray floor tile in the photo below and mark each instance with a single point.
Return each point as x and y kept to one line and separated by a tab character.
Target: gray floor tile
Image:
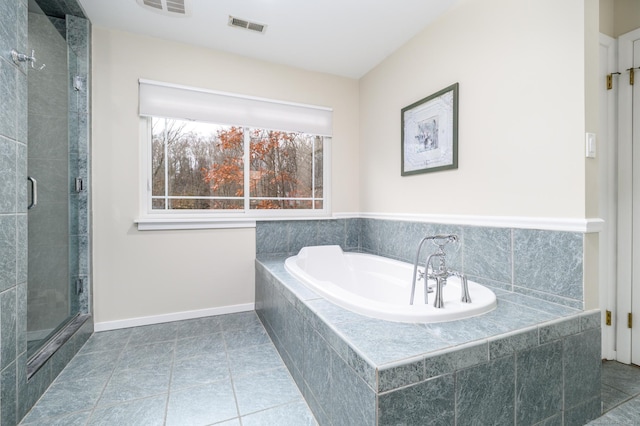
612	397
196	346
239	321
202	405
90	364
199	357
107	341
264	390
292	414
625	414
254	359
66	397
135	383
242	338
199	370
142	412
153	333
73	419
622	377
619	383
139	356
198	327
234	422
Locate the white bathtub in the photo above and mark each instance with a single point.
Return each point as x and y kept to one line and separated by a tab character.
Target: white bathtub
381	288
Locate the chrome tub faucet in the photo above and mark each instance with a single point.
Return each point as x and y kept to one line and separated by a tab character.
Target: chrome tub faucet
438	272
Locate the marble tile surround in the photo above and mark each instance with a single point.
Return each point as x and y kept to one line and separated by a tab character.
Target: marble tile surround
529	361
361	371
543	264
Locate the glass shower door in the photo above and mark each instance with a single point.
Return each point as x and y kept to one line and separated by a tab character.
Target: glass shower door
52	163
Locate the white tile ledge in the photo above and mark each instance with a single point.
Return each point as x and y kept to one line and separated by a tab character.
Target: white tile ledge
583	225
586	225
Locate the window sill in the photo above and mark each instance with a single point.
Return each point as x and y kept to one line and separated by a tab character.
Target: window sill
156	223
172	223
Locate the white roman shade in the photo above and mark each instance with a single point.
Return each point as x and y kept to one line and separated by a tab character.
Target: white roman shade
190	103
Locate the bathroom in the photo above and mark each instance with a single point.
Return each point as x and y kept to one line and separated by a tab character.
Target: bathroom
527	96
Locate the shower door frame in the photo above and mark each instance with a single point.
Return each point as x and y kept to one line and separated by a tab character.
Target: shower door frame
77	59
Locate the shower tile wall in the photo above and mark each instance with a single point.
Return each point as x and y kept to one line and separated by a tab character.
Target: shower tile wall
18	395
13	257
544	264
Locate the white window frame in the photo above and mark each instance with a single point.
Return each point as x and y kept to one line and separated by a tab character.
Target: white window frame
150	219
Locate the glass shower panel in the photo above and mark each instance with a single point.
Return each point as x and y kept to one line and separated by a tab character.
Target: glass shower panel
52	163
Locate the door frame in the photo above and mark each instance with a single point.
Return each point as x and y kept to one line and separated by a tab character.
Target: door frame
607	192
626	203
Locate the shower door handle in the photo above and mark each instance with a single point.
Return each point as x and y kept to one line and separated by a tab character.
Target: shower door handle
34	193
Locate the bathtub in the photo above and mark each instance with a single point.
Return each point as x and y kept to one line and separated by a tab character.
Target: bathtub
379	287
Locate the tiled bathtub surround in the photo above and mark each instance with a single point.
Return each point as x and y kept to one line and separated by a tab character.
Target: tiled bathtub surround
544	264
527	362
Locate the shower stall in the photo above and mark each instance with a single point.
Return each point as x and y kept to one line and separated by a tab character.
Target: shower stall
57	181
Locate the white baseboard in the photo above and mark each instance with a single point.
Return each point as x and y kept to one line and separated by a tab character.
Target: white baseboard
174	316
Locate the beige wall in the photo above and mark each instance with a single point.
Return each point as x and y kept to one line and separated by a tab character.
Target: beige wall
607	17
618	17
524	108
591	108
626	16
520	66
138	274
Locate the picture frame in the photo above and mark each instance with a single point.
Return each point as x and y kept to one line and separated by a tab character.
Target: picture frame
429	134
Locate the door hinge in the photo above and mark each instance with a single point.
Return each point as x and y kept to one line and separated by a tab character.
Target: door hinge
630	320
79	286
607	317
79	184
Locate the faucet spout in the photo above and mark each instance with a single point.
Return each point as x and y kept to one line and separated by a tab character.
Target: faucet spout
441	281
440	272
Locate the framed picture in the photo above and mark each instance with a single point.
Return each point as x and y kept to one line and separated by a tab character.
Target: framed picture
430	133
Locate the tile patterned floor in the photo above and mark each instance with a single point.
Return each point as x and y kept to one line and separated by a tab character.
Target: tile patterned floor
221	371
620	395
212	371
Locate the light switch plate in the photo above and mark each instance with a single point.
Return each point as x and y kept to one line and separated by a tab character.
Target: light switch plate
590	143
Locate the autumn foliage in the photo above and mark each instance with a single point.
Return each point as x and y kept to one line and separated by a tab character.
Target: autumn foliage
281	168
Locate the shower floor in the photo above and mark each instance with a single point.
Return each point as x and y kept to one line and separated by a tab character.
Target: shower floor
219	370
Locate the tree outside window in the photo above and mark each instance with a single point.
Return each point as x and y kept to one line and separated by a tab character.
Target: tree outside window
203	166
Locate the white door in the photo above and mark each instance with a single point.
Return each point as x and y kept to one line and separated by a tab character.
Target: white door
628	339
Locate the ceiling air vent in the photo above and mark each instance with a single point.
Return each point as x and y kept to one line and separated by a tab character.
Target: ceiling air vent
242	23
167	7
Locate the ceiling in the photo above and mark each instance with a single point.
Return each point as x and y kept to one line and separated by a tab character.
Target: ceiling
342	37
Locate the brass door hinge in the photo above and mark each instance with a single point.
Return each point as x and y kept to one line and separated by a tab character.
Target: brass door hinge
630	320
607	317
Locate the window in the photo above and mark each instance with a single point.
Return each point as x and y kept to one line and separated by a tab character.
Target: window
196	168
202	166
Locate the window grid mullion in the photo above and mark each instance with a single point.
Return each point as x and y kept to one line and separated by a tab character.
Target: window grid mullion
166	165
247	168
313	173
